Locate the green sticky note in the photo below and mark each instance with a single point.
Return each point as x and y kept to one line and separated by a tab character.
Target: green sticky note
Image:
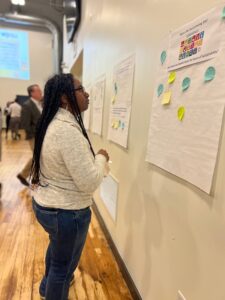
186	83
210	74
172	77
163	57
180	113
223	13
160	89
166	98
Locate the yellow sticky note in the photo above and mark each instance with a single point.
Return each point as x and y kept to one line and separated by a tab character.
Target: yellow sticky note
116	126
166	98
172	77
180	113
113	99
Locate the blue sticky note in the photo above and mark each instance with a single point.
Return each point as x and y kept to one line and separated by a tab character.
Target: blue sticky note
163	57
210	74
186	83
160	89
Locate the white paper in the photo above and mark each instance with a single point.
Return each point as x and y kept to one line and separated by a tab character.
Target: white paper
97	106
197	41
109	194
189	148
121	101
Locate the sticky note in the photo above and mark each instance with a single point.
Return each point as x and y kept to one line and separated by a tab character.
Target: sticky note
160	89
166	98
116	126
223	13
163	57
123	125
180	113
210	74
172	77
186	83
113	99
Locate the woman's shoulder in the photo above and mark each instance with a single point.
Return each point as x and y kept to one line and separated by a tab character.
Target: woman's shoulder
65	129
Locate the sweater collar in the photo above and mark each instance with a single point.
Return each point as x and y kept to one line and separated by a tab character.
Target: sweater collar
66	116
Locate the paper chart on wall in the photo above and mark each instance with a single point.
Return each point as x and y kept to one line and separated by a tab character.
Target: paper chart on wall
121	100
196	41
97	104
184	135
87	113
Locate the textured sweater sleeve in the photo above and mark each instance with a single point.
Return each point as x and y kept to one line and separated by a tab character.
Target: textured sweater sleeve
87	172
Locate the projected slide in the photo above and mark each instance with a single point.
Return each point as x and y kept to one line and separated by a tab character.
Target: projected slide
14	54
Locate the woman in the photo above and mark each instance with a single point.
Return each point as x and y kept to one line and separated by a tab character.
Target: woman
65	172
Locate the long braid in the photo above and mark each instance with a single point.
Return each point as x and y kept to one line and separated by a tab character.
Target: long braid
76	111
54	89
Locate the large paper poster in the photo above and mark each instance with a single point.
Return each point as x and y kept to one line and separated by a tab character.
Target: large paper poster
187	113
98	102
121	101
197	41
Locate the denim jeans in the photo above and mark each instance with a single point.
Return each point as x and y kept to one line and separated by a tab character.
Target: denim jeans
67	231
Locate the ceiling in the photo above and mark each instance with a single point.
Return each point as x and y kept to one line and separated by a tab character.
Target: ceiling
51	10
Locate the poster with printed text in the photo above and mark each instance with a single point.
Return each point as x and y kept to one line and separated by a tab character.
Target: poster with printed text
121	101
188	109
197	41
97	104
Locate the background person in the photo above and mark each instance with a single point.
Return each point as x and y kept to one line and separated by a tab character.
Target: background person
31	113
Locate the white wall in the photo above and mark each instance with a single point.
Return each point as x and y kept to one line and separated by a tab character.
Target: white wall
170	234
41	67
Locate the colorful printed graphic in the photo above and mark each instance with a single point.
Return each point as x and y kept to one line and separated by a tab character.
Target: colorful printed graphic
191	46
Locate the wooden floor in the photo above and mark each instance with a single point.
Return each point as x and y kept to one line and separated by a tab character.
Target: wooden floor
23	243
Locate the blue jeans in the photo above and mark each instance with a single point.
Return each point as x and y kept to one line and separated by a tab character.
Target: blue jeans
67	231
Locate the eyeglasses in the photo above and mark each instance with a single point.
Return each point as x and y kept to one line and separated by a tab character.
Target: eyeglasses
80	88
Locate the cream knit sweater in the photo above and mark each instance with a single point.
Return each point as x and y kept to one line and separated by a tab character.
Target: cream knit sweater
69	172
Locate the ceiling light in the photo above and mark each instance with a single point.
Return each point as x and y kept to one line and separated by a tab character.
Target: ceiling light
18	2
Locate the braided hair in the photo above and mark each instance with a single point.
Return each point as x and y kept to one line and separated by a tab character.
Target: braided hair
55	87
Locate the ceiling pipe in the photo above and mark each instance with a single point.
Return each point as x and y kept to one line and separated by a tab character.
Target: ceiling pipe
24	20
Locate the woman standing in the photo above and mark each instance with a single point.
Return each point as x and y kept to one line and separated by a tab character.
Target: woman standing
65	172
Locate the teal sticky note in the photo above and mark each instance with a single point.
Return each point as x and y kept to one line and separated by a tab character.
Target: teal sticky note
186	83
163	57
223	13
160	89
210	74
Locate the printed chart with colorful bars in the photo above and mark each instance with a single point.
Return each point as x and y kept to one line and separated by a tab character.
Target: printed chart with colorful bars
188	102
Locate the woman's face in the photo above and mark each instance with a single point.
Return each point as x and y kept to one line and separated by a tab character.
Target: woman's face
81	95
